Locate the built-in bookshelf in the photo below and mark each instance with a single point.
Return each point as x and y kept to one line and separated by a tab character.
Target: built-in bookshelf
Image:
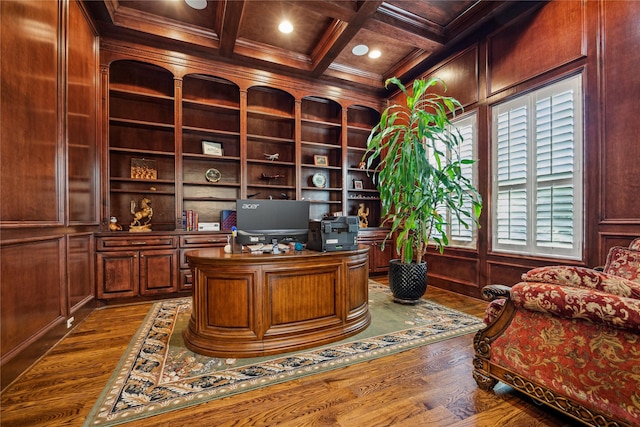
361	190
211	170
270	166
204	142
321	155
142	155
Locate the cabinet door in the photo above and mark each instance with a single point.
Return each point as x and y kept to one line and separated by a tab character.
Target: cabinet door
158	272
117	274
379	259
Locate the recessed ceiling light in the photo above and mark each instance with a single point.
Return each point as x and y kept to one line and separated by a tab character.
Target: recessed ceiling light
285	27
360	50
197	4
375	54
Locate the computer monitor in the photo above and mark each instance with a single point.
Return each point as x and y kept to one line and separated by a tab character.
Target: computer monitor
262	221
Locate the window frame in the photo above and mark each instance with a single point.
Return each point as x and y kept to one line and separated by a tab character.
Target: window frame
532	247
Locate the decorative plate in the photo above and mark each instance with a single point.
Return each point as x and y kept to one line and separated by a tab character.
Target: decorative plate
213	175
319	180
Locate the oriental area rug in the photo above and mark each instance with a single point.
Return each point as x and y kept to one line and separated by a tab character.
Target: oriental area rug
158	374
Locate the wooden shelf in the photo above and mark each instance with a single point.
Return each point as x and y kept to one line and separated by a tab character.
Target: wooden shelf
141	152
141	124
266	138
282	187
321	145
269	115
322	188
312	166
132	94
319	123
210	199
232	159
209	131
210	105
127	191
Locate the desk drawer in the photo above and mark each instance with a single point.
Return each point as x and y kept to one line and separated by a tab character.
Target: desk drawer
136	242
203	240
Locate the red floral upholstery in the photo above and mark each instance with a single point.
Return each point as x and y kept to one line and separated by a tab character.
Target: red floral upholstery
493	311
570	337
572	303
586	278
592	364
623	262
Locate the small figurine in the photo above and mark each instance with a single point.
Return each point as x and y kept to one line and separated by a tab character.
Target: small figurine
272	157
363	213
145	212
113	224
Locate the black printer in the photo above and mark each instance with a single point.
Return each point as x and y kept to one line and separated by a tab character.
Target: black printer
334	234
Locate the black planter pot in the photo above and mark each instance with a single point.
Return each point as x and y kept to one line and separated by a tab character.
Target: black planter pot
407	282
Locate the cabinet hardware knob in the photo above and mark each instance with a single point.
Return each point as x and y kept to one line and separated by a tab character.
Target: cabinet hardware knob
138	243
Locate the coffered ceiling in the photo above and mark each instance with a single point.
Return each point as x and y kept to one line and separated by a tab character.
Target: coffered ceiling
410	35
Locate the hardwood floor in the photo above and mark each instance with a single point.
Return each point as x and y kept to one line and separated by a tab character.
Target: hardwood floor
427	386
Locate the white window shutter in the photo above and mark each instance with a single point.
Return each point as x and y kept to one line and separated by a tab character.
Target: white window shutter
537	179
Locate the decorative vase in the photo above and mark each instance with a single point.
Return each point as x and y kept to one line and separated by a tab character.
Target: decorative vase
407	282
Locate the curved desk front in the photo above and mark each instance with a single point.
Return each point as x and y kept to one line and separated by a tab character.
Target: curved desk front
247	305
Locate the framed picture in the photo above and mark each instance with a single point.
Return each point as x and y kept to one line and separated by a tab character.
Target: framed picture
320	160
212	148
144	169
357	184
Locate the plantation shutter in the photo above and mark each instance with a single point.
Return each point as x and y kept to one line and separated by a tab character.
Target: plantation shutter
458	234
555	140
537	185
467	130
512	175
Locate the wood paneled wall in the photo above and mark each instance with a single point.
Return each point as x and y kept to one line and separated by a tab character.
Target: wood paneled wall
50	172
597	38
49	175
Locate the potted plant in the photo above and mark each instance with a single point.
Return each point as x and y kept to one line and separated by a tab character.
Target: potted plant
414	152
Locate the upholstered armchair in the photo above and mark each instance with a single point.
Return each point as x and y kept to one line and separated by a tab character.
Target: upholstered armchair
570	338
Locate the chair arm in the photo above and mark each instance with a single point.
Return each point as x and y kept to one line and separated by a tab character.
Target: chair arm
574	303
497	295
492	292
585	278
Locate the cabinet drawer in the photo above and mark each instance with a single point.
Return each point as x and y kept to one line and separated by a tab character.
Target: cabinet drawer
186	280
203	240
136	242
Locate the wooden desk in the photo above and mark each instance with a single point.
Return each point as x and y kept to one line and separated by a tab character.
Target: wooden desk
247	305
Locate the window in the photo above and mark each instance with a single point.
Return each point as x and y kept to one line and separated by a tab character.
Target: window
458	234
537	178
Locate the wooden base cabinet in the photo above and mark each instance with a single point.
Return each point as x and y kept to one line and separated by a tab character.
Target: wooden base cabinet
129	273
378	258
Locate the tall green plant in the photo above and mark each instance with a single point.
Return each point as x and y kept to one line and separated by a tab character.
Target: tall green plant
420	170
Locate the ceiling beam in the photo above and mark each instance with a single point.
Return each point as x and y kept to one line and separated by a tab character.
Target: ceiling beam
341	10
230	17
403	34
340	36
411	23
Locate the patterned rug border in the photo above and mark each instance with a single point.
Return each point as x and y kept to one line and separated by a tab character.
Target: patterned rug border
327	357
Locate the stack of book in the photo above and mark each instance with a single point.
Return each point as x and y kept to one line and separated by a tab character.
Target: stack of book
189	220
